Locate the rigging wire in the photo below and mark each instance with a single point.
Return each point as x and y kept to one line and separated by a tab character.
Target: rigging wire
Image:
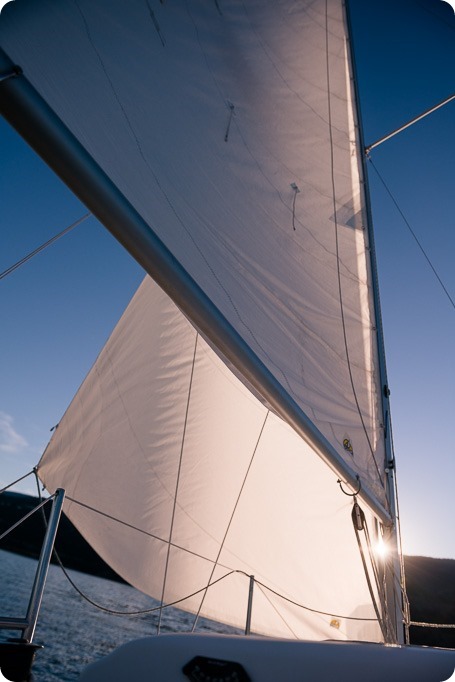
10	485
416	239
262	586
386	623
215	564
182	445
140	530
438	16
182	599
404	606
307	608
30	255
432	625
382	625
23	518
380	585
159	608
204	589
278	613
186	597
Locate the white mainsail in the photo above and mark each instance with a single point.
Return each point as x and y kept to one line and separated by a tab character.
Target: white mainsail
231	130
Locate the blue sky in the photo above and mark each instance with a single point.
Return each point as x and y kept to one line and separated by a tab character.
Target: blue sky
58	309
406	64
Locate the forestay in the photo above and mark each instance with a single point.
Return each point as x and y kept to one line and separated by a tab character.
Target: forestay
231	129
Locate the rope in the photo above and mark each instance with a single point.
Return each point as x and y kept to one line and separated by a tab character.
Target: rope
380	586
405	600
204	589
280	615
412	233
307	608
340	293
10	485
29	256
24	518
178	480
143	611
199	591
381	591
99	606
431	625
139	530
185	598
232	515
367	575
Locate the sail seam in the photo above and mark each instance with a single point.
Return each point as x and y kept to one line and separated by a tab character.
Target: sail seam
155	177
276	68
256	340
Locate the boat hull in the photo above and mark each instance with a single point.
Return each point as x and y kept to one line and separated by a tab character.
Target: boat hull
163	658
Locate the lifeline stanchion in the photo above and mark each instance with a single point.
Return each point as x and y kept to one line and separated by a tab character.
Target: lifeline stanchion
250	606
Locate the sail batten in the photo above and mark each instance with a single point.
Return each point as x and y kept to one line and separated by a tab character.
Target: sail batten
222	150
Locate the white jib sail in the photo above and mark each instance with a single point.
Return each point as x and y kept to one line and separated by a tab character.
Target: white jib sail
230	128
180	476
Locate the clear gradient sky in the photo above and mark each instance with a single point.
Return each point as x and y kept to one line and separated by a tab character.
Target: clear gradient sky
57	310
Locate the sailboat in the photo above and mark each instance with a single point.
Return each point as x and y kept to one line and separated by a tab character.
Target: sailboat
230	450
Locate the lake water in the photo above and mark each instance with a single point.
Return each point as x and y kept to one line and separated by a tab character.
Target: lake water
74	632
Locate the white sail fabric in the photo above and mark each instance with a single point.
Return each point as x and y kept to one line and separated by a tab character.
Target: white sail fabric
192	477
230	127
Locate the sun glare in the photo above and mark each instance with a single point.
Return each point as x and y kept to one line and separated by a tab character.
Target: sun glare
381	548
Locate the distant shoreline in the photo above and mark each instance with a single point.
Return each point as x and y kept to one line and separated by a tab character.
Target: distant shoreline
73	551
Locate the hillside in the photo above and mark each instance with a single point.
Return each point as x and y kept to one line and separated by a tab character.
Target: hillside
430	586
27	539
430	582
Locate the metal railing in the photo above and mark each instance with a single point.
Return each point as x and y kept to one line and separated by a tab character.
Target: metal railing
28	624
